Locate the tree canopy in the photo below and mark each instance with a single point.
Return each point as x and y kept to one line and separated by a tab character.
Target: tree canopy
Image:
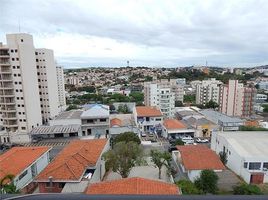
160	159
127	137
247	189
123	157
207	182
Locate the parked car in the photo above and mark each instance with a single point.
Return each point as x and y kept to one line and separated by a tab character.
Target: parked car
143	134
187	140
199	140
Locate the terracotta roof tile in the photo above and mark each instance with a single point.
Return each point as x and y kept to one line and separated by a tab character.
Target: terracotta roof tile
173	124
199	157
133	186
148	111
72	161
18	159
115	122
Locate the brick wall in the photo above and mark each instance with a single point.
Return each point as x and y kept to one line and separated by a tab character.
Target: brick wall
44	189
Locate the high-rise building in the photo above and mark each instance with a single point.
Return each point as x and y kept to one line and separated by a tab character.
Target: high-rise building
47	83
160	95
61	88
236	99
208	90
28	86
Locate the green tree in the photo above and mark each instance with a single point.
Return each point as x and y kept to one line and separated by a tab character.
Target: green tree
127	137
223	157
211	104
207	182
123	109
187	187
189	98
160	159
7	186
178	142
137	97
123	157
178	104
71	107
246	189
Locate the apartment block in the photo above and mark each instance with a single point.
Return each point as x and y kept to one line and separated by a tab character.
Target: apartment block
163	94
61	88
47	83
208	90
23	86
236	99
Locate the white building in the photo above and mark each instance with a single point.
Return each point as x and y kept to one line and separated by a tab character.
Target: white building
192	159
208	90
25	91
47	82
95	120
160	95
148	118
237	100
61	88
173	128
35	159
247	153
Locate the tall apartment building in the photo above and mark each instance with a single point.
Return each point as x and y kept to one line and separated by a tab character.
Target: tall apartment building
47	83
207	90
237	100
160	95
61	88
27	87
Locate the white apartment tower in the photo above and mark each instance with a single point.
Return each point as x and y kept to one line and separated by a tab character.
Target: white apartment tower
20	91
207	90
47	83
61	89
237	100
159	95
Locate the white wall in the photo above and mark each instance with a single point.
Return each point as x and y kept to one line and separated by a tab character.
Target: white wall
193	174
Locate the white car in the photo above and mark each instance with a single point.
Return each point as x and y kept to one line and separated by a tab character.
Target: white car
199	140
187	140
143	134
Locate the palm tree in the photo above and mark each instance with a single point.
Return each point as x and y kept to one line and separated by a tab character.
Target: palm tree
7	186
160	159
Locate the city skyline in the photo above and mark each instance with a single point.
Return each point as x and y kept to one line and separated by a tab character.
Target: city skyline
163	33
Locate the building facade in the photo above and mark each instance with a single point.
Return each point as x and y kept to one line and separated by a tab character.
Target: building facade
61	88
161	95
236	99
25	90
208	90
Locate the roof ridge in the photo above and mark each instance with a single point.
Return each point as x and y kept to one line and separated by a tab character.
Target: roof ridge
70	169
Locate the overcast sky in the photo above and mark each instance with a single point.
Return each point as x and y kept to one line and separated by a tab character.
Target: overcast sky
86	33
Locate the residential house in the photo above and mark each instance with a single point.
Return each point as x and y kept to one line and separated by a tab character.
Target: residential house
148	118
133	186
25	163
95	120
77	165
173	128
192	159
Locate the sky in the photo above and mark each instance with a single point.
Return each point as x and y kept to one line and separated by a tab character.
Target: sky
161	33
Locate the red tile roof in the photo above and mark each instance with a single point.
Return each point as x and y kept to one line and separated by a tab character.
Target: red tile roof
148	111
173	124
17	159
72	161
115	122
133	186
199	157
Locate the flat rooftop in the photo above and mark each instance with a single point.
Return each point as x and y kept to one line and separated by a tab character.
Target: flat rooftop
55	129
248	143
72	114
215	116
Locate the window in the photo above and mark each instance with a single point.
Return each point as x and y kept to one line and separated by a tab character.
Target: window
102	120
265	165
147	119
14	67
254	166
23	174
12	59
17	59
90	121
158	119
16	50
36	60
18	67
12	51
245	165
21	40
23	128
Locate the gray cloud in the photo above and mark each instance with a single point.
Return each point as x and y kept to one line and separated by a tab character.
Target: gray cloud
164	32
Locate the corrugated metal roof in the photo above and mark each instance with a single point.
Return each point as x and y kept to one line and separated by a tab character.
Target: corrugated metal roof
55	129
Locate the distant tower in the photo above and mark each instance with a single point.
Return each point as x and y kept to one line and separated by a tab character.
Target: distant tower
128	63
